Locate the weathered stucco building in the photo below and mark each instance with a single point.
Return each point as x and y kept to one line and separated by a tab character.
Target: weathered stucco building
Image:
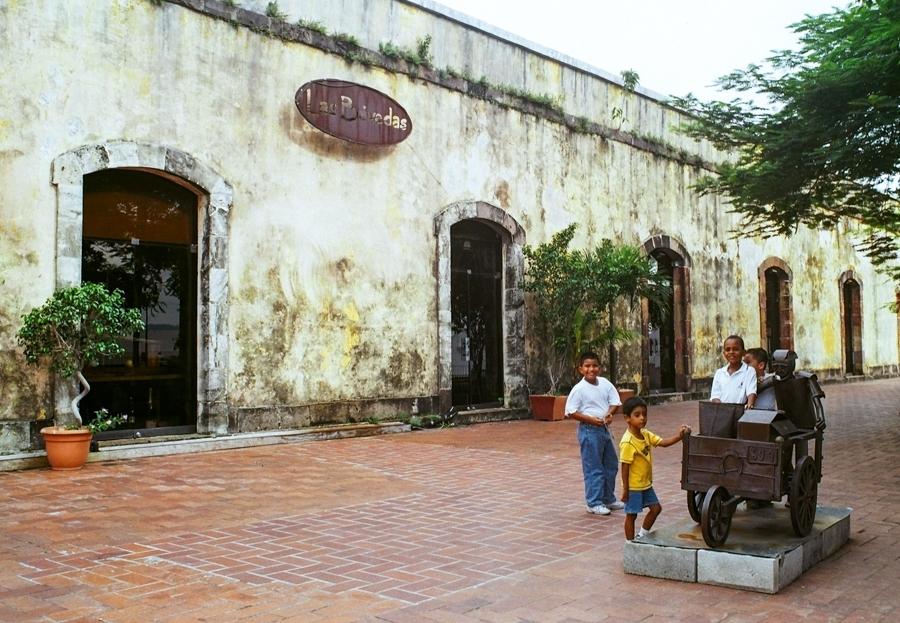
289	277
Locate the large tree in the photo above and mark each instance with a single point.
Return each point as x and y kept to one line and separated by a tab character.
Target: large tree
826	147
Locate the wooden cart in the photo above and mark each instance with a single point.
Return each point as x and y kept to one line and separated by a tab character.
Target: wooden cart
756	455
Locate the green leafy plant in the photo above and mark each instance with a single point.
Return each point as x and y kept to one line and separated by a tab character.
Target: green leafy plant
103	421
423	50
630	79
313	25
74	327
343	38
275	12
420	56
577	294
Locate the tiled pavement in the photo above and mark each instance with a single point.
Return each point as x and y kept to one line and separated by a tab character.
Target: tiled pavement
477	524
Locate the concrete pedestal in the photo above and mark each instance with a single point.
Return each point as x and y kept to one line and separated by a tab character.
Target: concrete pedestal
762	552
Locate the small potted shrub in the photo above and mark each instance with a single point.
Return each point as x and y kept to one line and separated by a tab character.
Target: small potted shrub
74	327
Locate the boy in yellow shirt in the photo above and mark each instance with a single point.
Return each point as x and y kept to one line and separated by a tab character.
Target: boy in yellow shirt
637	466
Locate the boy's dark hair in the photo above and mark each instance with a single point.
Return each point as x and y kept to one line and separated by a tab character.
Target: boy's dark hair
735	337
759	354
633	403
587	355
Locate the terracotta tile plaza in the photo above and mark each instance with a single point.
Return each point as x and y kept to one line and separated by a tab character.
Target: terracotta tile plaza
483	523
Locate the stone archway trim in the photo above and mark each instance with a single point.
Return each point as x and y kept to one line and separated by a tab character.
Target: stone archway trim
216	198
786	328
856	327
514	379
681	295
670	243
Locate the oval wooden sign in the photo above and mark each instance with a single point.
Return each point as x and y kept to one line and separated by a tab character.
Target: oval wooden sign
353	112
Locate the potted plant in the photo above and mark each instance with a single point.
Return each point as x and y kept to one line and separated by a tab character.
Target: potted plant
552	278
74	327
577	294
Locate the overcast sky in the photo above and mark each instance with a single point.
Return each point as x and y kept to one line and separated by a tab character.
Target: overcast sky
676	46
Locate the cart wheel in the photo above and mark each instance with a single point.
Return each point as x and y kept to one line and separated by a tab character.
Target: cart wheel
803	495
695	505
716	516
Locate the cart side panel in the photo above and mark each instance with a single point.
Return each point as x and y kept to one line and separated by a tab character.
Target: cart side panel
750	469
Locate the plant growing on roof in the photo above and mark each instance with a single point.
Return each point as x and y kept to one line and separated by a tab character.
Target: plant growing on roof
74	327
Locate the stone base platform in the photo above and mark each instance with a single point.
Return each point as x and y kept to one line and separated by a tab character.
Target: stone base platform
762	552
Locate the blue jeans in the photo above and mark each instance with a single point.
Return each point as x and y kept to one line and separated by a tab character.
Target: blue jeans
599	464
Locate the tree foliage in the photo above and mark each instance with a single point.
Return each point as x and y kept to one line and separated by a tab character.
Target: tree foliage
576	293
76	326
827	147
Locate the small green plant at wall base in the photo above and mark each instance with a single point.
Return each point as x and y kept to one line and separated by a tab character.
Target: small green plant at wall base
273	11
77	326
103	421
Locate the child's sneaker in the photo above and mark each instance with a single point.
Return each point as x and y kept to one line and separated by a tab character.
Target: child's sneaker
600	509
616	506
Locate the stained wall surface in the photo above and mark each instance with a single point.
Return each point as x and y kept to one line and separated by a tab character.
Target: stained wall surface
332	257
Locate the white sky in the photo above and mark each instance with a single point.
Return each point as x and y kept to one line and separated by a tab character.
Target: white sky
676	46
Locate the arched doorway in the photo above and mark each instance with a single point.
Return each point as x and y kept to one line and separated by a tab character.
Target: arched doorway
851	323
140	236
661	334
476	267
776	307
488	242
214	201
667	362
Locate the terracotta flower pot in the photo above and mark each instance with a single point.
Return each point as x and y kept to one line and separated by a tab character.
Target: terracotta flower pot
66	449
546	407
625	394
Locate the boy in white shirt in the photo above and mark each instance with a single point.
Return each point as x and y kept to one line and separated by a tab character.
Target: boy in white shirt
735	382
592	402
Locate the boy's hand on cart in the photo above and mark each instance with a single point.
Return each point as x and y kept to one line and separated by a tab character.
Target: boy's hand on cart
685	430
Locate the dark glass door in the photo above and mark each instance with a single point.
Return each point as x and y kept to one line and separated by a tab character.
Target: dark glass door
852	328
476	288
661	334
140	237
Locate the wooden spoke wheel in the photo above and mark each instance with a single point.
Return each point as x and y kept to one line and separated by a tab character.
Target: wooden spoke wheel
803	495
695	505
716	516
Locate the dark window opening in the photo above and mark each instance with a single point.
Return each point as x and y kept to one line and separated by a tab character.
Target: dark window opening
140	234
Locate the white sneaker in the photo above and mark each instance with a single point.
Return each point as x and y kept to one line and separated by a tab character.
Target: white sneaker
600	509
615	506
